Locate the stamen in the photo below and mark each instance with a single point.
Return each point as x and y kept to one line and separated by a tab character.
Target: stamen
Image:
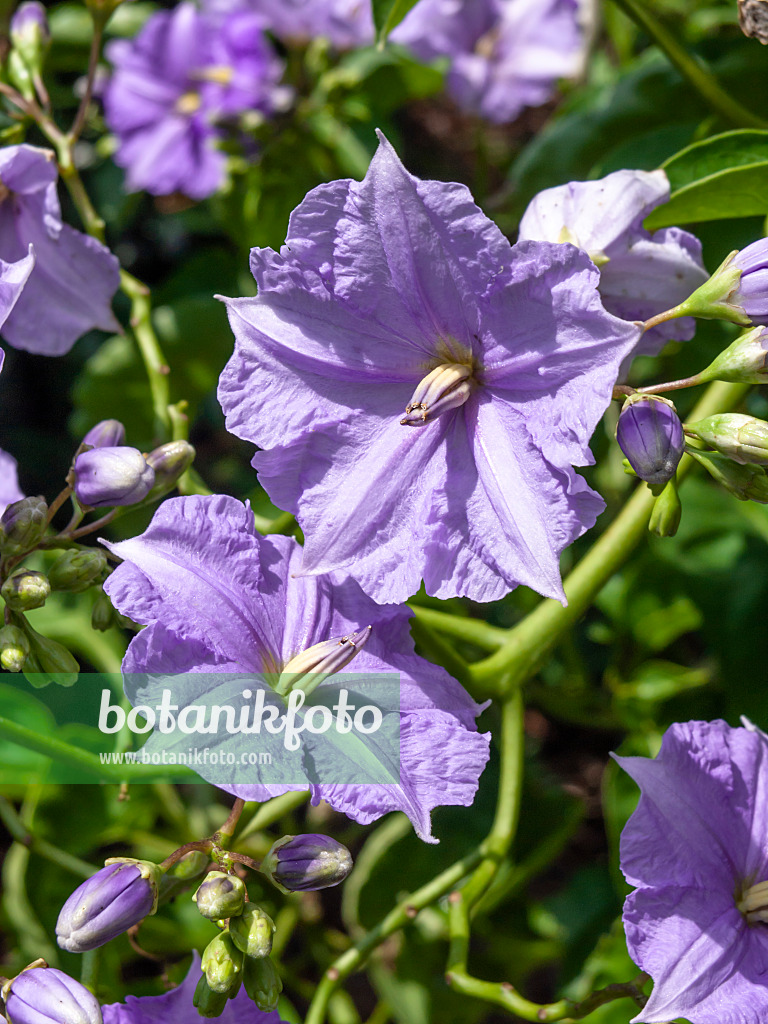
311	667
753	903
188	103
447	387
221	74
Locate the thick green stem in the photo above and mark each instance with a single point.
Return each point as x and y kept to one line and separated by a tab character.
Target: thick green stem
691	68
474	631
273	810
530	642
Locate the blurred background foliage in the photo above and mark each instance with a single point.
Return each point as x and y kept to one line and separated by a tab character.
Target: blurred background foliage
679	633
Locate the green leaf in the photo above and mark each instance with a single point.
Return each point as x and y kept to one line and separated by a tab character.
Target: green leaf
387	15
716	179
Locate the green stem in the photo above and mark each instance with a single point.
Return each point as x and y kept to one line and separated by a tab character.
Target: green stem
89	969
474	631
691	68
435	649
99	21
92	222
529	643
151	353
273	810
24	837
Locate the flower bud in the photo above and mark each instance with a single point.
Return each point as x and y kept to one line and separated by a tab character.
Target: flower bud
221	896
76	571
169	461
223	965
48	661
306	863
185	872
14	648
26	589
650	434
110	902
44	995
207	1002
667	511
252	931
743	362
742	438
23	525
262	982
30	34
112	476
103	615
106	434
747	483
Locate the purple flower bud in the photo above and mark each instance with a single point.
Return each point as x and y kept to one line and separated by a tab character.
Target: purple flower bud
29	30
650	434
111	901
106	434
752	290
306	863
43	995
112	476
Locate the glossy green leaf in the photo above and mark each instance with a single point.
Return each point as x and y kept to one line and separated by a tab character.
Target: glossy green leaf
387	15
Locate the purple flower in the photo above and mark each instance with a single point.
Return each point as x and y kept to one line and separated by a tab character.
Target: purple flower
650	434
696	848
505	54
174	83
306	863
70	289
345	23
9	481
218	598
752	291
44	995
105	434
640	274
423	389
175	1007
110	902
112	476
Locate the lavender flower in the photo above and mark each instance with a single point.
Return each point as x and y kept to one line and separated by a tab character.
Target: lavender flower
44	995
640	274
105	477
344	23
74	277
505	54
174	83
650	434
434	387
175	1007
106	434
110	902
696	848
9	482
218	598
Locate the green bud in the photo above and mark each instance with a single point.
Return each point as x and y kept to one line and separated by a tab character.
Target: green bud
23	525
47	661
102	614
14	648
76	571
25	589
667	511
742	438
221	896
19	75
712	300
252	931
223	965
169	461
262	982
743	362
185	872
208	1002
747	483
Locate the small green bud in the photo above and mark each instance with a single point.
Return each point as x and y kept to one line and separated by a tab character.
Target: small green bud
23	525
14	648
221	896
76	571
743	362
262	982
102	614
26	589
185	872
223	965
47	661
169	461
742	438
747	483
208	1002
252	931
667	511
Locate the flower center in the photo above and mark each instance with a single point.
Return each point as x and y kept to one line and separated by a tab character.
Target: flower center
310	668
753	903
188	103
448	386
221	74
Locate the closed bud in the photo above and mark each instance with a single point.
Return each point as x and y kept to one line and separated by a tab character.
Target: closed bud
76	571
110	902
44	995
30	33
23	525
221	896
306	670
185	872
743	362
169	461
26	589
742	438
717	298
106	434
745	482
103	615
306	863
650	434
14	648
223	965
107	477
252	931
48	661
262	982
666	512
207	1002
